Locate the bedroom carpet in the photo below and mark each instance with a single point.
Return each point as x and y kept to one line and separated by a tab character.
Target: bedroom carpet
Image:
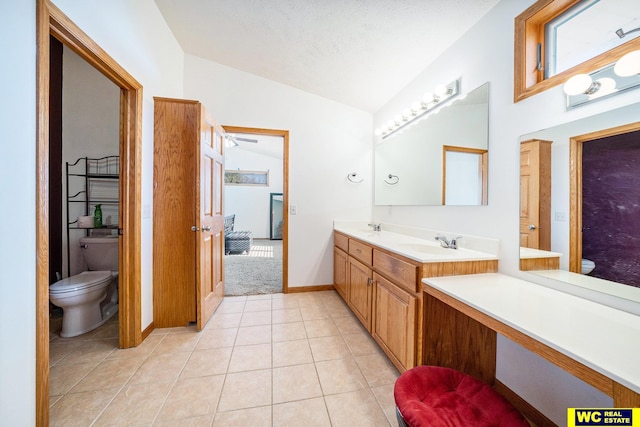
257	272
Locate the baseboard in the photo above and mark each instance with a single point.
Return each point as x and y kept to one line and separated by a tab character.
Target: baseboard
315	288
532	414
147	331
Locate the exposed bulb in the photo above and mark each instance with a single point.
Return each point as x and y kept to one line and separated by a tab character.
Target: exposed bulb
628	65
441	90
397	119
428	98
378	132
416	106
578	85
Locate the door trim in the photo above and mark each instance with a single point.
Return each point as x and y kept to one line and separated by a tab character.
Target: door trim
51	21
285	191
575	190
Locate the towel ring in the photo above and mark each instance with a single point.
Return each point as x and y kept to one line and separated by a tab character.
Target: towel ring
394	179
352	176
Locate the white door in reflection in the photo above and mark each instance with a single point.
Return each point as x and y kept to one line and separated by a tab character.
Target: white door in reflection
464	176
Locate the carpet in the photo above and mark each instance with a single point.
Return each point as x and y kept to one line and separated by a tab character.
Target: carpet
257	272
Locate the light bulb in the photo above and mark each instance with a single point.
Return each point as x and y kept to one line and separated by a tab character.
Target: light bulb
391	124
607	86
441	90
428	98
578	84
378	132
397	119
406	114
628	65
416	106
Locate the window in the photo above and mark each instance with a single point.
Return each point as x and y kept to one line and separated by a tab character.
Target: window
555	39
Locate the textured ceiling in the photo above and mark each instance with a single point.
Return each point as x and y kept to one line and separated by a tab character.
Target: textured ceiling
358	52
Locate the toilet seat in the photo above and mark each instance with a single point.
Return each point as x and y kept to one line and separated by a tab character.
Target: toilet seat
83	281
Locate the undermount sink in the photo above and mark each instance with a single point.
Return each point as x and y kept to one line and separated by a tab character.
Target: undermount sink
425	248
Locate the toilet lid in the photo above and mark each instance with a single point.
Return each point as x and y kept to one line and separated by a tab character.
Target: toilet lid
84	280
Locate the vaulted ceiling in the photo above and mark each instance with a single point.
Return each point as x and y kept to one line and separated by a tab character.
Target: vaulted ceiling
357	52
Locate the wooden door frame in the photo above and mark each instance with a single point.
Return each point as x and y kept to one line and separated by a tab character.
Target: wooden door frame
575	190
51	21
285	191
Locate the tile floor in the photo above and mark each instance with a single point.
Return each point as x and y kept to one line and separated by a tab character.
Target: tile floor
263	360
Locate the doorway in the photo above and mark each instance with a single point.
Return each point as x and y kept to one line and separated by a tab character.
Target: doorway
52	22
256	195
577	185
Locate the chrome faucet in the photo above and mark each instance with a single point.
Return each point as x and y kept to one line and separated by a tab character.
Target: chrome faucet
446	243
376	227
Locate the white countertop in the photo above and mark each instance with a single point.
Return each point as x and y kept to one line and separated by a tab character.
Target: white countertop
600	337
527	253
416	248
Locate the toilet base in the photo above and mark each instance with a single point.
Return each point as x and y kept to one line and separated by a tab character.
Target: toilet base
80	320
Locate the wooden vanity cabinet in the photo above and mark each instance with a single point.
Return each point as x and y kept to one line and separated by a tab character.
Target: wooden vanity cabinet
360	291
340	272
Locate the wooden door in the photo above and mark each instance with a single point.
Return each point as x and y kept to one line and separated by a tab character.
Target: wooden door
340	276
210	241
395	322
535	194
360	291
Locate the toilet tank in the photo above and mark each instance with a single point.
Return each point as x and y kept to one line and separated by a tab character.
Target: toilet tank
100	253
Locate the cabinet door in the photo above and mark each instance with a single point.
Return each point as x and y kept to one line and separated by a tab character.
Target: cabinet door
360	291
340	269
395	322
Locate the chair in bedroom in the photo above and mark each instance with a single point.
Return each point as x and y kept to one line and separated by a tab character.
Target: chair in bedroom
235	241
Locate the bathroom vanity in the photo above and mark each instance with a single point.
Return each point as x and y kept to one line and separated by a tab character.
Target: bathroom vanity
379	274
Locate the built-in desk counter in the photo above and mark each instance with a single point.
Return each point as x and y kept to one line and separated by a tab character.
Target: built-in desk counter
594	342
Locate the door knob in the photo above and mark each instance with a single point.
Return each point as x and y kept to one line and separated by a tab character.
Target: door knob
194	228
532	227
206	228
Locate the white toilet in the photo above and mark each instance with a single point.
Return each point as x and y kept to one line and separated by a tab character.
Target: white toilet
587	266
90	298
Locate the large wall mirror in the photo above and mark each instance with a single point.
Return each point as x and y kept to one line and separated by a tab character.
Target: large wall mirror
580	202
440	159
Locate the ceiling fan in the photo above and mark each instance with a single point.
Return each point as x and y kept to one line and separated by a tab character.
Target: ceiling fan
232	140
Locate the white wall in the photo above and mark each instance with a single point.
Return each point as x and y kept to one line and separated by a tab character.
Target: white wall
484	54
327	141
18	213
90	128
249	203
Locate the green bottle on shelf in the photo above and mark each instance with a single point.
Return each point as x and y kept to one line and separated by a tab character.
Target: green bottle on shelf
97	217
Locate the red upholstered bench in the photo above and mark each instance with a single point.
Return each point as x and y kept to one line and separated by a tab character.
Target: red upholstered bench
435	396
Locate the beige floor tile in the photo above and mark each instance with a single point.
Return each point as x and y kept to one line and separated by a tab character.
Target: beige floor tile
340	376
217	338
286	315
231	307
91	351
79	409
288	331
361	344
252	417
54	399
144	349
207	362
201	421
314	312
310	413
327	348
291	353
135	405
112	373
320	328
259	297
254	318
108	330
177	343
250	358
249	335
246	390
281	303
377	369
354	409
338	309
349	325
59	350
258	305
384	396
224	320
62	378
192	397
295	383
160	368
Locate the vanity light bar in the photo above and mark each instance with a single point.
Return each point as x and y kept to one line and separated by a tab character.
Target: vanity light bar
429	102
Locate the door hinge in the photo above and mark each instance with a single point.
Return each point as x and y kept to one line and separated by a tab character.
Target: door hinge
120	232
539	57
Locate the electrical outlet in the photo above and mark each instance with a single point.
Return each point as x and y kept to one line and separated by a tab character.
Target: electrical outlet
292	210
561	216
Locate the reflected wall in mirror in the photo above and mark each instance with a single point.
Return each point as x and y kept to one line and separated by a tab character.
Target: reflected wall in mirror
580	202
430	158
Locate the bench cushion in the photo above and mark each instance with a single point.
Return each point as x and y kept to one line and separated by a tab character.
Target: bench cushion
437	396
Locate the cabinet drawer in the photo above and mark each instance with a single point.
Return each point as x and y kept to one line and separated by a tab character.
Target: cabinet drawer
341	241
360	251
400	271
